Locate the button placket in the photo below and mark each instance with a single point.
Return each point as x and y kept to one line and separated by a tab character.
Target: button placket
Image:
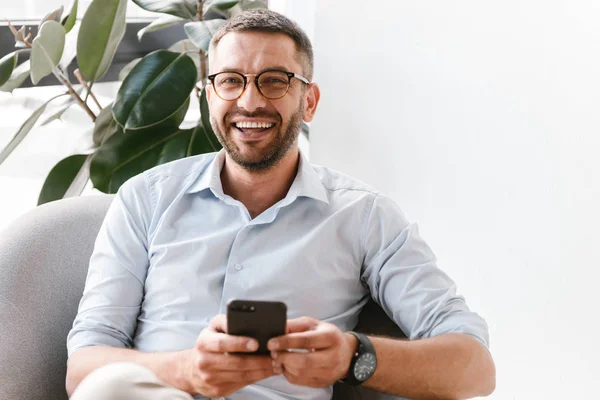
231	283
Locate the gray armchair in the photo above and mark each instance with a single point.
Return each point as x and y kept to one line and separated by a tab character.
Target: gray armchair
43	265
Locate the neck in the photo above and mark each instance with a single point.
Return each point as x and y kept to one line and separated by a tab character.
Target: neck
260	190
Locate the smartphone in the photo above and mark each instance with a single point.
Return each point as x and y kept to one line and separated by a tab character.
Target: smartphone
261	320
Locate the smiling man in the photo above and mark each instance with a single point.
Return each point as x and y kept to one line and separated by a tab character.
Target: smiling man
257	221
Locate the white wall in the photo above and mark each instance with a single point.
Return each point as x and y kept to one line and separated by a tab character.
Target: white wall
482	119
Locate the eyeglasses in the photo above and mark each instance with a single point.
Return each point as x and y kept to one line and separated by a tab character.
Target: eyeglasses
273	84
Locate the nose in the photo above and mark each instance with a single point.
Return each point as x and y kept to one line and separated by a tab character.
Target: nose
251	99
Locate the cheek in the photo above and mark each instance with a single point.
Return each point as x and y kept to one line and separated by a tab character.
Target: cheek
217	110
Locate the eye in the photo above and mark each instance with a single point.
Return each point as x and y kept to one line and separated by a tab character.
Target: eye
230	80
271	80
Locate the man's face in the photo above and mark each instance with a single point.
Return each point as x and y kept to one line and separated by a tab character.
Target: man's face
259	148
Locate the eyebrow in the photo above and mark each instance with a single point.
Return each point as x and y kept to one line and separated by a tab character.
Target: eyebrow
275	67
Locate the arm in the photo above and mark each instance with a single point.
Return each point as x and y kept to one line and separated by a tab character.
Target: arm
205	369
450	366
446	356
105	325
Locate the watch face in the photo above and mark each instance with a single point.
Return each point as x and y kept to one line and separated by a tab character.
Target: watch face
365	366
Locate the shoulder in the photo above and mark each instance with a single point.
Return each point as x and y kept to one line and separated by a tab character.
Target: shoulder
185	168
335	181
172	177
177	176
377	205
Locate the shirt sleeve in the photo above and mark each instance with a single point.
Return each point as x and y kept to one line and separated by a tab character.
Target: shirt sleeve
401	272
113	293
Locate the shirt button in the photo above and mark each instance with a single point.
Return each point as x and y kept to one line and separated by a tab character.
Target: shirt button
238	267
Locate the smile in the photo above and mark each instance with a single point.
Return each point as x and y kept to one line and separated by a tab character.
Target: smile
253	125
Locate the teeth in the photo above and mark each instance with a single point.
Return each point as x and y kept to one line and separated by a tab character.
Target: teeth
263	125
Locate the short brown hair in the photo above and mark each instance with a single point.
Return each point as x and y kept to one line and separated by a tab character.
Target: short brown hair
263	20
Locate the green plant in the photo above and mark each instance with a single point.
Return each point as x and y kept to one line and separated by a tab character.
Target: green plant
140	129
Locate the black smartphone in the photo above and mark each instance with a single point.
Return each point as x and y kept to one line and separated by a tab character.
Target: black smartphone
261	320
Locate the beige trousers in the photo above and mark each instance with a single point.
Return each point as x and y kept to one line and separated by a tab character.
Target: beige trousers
126	381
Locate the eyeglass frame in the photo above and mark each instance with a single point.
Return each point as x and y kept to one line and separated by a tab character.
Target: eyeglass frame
289	74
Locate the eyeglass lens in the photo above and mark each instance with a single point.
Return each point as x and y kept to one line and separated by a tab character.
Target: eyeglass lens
272	84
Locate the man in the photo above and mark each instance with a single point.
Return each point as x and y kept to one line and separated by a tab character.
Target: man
257	221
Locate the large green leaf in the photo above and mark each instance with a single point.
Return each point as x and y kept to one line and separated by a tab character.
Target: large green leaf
69	21
186	46
181	8
128	67
67	178
47	50
221	4
201	32
53	16
24	129
17	77
160	23
211	138
7	66
218	8
105	126
126	155
154	90
102	29
243	6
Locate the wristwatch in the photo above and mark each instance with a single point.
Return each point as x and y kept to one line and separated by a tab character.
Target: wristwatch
364	361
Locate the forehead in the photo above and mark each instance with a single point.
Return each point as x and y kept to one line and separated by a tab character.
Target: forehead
252	52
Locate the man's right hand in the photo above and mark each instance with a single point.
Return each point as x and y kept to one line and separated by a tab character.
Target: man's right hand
213	371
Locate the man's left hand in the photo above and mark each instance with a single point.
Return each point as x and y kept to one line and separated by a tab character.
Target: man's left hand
312	353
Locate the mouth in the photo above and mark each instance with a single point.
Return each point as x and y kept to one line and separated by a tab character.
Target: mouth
253	130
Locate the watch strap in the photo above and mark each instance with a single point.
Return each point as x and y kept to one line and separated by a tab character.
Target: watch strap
364	346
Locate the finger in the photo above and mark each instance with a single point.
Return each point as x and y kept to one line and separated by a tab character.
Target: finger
247	377
310	381
223	343
232	362
219	323
301	324
303	363
305	340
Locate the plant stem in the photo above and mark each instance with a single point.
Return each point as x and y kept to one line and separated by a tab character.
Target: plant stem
75	96
85	86
199	14
202	52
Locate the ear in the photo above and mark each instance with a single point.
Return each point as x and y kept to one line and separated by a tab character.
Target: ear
311	98
209	89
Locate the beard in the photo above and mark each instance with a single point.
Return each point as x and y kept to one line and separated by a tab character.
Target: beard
268	157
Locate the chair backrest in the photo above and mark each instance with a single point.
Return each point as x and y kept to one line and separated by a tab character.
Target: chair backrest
43	266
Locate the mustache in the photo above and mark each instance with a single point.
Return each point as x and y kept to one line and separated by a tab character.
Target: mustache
258	113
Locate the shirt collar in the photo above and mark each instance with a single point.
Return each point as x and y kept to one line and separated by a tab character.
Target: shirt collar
307	182
210	178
